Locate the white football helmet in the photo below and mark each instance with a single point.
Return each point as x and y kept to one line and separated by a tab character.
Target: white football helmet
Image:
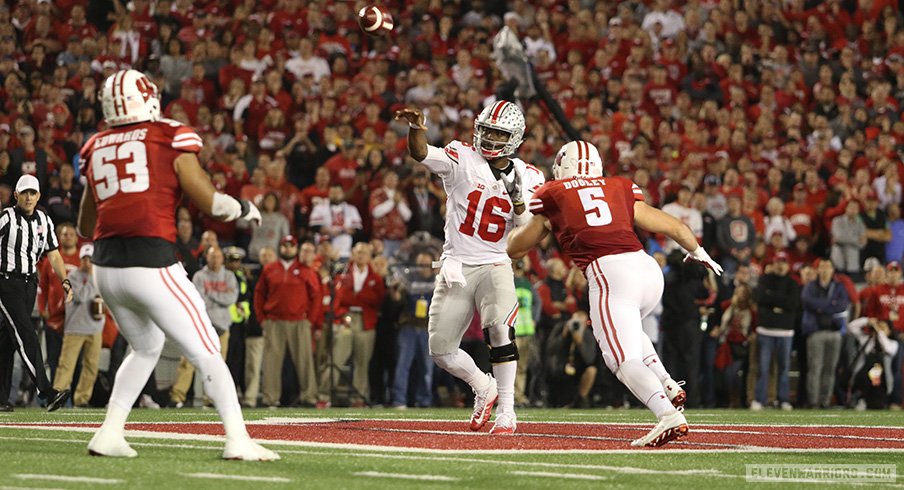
503	116
128	96
577	159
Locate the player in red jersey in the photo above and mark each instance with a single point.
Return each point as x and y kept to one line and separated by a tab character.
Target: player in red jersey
137	172
593	219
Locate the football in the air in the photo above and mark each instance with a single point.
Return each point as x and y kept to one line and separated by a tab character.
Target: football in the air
375	20
98	309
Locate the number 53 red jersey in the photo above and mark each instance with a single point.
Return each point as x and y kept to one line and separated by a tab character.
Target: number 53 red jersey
131	171
591	218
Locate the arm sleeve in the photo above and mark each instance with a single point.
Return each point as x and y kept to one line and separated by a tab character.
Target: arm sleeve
353	217
441	161
537	204
259	299
404	210
186	140
380	209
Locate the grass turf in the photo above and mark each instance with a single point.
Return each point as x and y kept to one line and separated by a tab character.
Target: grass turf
31	454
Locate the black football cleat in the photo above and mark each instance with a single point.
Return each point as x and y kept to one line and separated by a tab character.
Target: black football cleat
57	400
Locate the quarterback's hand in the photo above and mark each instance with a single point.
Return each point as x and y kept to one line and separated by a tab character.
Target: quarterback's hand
700	255
250	212
512	184
414	117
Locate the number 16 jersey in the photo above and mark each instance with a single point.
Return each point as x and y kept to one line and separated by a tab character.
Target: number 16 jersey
479	211
591	217
131	171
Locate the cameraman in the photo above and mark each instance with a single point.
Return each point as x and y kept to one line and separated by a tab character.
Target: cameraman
413	293
871	369
573	357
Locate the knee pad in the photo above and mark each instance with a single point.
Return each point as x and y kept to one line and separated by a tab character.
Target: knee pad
505	353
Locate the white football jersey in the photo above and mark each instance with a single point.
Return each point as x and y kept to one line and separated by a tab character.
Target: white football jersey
479	212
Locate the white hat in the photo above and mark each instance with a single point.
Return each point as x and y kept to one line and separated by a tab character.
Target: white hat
27	182
87	250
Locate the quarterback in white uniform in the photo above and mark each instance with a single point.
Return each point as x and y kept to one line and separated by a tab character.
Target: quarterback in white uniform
486	191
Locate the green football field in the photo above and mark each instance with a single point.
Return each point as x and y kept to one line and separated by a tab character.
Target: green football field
432	448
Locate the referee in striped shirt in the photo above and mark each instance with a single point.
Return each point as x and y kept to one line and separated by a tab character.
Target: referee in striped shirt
26	234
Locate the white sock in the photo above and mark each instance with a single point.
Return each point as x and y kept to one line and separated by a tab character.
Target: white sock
131	377
462	366
651	359
644	385
220	388
116	418
505	385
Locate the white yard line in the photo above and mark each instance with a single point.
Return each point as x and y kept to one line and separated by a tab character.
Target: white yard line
403	476
567	476
68	478
218	476
4	487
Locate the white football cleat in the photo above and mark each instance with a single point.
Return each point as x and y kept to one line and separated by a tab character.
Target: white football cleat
668	429
505	424
483	404
675	392
108	443
244	449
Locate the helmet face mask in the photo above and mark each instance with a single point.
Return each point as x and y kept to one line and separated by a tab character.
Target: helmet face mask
490	126
129	97
577	159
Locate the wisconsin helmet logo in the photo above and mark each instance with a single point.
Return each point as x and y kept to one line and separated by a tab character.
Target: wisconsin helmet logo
145	87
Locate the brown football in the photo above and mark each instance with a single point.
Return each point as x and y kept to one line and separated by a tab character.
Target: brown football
98	308
375	20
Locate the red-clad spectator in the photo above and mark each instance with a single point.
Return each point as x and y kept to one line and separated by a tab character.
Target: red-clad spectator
255	190
359	294
77	24
316	193
343	166
272	134
201	90
250	110
556	300
389	209
50	297
887	300
277	91
286	299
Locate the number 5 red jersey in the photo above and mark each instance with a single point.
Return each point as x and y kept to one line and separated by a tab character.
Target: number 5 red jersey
131	171
591	217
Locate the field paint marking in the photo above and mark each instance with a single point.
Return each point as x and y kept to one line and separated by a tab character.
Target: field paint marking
3	487
404	476
67	478
323	420
825	436
303	420
217	476
620	469
402	449
547	474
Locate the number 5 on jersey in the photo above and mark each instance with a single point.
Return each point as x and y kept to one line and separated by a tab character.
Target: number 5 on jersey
107	182
596	209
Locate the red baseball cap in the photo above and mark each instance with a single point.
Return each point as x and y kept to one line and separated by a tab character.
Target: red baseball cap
289	239
893	265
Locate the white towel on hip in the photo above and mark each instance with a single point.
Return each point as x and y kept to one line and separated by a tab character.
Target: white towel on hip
450	272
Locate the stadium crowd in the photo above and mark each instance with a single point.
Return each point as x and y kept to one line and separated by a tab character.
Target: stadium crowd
774	130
